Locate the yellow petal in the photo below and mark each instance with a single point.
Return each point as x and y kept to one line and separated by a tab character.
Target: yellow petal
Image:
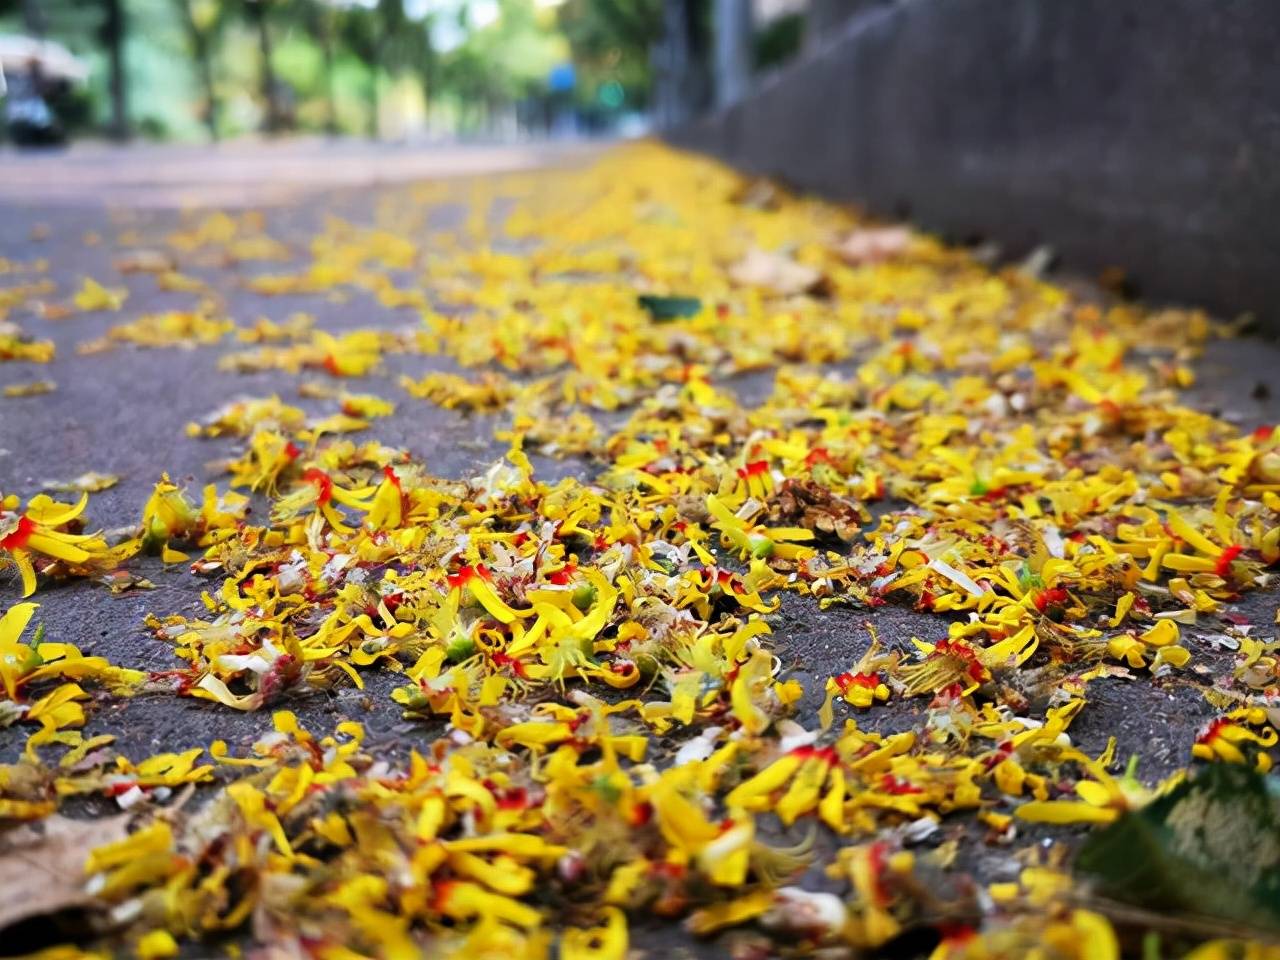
1190	535
1092	792
607	942
15	621
1097	938
1064	811
54	547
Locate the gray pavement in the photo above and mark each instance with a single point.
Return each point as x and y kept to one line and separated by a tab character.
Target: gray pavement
123	412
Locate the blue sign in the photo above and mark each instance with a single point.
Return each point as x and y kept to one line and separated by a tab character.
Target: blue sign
562	78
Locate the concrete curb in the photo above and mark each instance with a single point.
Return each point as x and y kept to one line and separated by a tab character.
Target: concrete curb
1120	132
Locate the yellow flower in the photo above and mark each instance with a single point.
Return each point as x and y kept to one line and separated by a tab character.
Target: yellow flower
22	664
606	942
17	660
319	491
167	514
56	711
26	535
1224	738
386	508
757	541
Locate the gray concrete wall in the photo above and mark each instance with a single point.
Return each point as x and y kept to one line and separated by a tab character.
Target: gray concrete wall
1136	133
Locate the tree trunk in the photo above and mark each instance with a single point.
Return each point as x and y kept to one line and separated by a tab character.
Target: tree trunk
428	73
375	105
267	75
33	18
200	48
733	37
325	34
113	37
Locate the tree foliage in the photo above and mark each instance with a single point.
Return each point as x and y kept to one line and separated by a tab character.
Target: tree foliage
611	40
226	66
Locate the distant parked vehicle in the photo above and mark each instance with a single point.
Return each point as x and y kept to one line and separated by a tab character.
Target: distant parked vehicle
32	74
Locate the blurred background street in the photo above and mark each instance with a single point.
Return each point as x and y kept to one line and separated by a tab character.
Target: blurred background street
397	70
253	172
658	326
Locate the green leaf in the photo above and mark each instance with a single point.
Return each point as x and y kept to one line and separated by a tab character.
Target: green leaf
663	309
1210	847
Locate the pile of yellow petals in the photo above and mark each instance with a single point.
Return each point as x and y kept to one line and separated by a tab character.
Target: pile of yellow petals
605	688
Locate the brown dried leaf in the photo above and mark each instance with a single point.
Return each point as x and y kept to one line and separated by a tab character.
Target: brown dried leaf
874	245
96	345
52	311
808	504
121	581
42	865
758	193
145	261
776	272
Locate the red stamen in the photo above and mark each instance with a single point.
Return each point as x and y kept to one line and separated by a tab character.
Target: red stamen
897	787
17	539
514	798
846	681
1053	597
956	933
1213	730
817	455
809	752
641	813
562	576
1223	567
323	484
462	577
501	659
878	860
441	891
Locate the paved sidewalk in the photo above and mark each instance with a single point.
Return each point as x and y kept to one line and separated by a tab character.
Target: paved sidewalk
251	172
100	213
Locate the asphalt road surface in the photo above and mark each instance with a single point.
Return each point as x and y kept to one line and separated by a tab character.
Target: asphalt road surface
123	413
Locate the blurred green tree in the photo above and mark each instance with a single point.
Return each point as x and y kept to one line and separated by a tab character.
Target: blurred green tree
358	32
612	41
258	14
321	21
201	19
114	29
501	62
